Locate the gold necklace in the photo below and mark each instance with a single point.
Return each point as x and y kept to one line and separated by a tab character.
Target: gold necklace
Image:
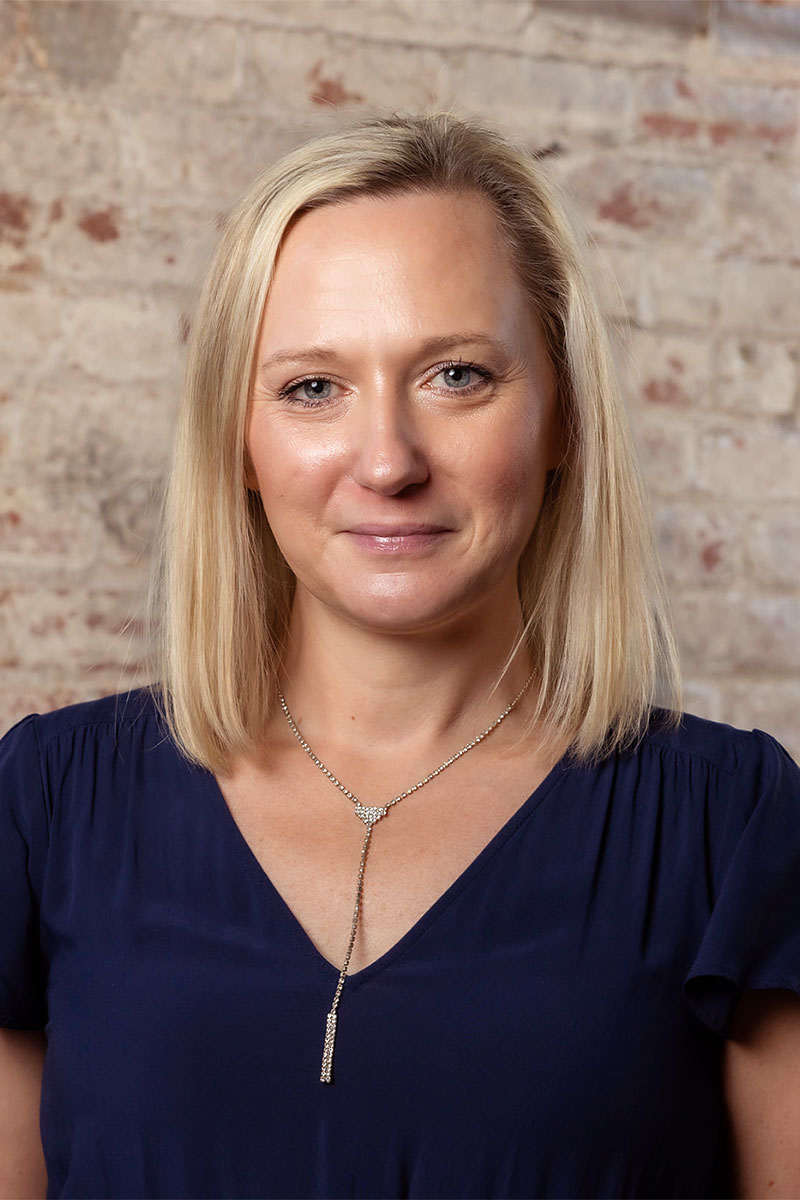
370	815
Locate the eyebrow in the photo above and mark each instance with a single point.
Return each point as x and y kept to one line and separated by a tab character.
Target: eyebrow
433	345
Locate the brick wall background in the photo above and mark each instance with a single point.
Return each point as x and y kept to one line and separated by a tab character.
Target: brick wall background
128	129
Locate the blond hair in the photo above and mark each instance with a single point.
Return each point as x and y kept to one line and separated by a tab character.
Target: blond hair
596	621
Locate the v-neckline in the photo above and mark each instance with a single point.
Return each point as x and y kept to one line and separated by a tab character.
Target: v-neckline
431	913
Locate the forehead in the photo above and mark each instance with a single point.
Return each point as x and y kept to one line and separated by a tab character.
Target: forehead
400	212
407	260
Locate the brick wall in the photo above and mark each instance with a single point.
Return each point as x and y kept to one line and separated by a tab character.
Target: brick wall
128	128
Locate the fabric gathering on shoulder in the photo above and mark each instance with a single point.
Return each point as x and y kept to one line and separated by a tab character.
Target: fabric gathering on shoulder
32	761
753	936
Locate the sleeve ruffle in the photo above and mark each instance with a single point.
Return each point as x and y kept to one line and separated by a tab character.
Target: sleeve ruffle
23	836
752	939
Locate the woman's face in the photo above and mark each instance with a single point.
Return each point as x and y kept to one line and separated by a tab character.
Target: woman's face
403	416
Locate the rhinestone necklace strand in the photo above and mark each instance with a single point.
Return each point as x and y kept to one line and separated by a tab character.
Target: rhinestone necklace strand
370	815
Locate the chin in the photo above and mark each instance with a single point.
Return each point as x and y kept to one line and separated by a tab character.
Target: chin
408	614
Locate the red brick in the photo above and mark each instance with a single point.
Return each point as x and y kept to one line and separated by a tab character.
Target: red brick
95	437
53	140
15	217
37	534
667	371
699	548
79	43
757	30
150	244
679	290
407	22
302	70
763	213
10	43
31	329
722	634
544	97
210	156
750	462
120	338
666	453
662	200
681	108
759	299
193	60
84	631
773	548
754	377
667	125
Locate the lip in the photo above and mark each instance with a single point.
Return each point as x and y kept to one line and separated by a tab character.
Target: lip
406	529
397	539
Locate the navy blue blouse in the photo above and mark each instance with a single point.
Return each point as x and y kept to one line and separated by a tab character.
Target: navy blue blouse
551	1027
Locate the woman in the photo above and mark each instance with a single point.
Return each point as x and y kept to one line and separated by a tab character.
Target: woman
399	884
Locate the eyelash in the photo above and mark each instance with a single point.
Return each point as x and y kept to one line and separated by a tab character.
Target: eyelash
484	375
285	393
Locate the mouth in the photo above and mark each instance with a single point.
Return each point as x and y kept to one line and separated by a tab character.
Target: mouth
397	539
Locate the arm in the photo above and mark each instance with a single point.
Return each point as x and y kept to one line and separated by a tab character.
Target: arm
22	1170
762	1092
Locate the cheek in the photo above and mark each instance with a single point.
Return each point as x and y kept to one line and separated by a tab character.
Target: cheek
294	466
510	473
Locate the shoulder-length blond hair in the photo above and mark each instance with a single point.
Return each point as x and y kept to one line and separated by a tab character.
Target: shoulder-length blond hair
596	620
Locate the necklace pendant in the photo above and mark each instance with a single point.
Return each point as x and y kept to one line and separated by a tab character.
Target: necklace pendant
370	814
326	1073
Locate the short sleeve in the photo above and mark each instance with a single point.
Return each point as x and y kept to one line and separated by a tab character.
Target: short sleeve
23	844
752	939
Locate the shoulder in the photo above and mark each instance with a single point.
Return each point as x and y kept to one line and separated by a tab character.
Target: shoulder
120	713
713	767
91	739
80	765
721	747
688	764
110	721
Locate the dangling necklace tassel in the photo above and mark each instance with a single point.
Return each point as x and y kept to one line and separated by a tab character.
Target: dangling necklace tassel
327	1053
370	814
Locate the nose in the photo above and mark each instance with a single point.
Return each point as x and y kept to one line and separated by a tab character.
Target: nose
389	453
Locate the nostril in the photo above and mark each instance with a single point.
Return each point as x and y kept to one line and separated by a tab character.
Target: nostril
393	483
391	467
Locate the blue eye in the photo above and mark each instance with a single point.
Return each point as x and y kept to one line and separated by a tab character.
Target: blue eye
461	376
309	392
457	377
316	389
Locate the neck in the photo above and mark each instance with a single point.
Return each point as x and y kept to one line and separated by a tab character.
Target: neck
348	685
